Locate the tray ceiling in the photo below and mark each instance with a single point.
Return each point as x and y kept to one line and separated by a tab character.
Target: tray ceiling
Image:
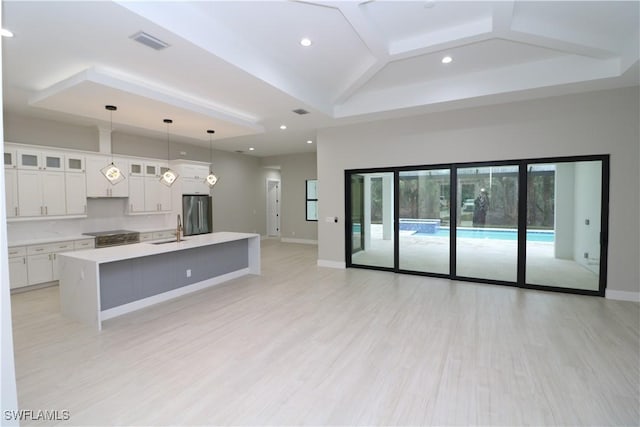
238	67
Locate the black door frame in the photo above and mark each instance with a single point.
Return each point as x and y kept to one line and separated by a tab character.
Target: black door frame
522	219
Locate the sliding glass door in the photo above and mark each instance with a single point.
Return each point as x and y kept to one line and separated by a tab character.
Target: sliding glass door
424	220
537	223
372	219
487	222
564	228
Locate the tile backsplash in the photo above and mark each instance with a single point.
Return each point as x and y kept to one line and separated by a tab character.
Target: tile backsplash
102	214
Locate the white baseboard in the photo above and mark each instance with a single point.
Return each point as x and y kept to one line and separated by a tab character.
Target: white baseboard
332	264
175	293
303	241
622	295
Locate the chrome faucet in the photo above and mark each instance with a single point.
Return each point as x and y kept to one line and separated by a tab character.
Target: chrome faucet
179	229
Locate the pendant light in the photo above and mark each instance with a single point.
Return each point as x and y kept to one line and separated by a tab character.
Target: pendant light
168	177
211	179
113	174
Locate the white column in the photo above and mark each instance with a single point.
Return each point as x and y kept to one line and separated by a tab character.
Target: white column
104	141
387	207
564	211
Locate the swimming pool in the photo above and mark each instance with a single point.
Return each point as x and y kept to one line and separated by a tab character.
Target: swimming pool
494	234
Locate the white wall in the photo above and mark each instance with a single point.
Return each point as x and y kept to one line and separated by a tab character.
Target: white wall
8	392
603	122
588	187
564	210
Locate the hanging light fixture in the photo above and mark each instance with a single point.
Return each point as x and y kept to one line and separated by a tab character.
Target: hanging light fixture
113	174
168	177
211	179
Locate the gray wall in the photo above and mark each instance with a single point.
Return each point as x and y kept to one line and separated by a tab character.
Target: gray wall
238	196
295	169
603	122
27	130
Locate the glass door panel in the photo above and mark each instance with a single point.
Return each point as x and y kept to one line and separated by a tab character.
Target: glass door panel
357	213
564	204
487	222
372	219
424	234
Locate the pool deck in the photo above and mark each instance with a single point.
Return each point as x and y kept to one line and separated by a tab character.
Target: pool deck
494	259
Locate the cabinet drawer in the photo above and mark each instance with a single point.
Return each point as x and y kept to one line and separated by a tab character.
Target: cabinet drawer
17	251
163	234
63	246
41	249
84	244
146	236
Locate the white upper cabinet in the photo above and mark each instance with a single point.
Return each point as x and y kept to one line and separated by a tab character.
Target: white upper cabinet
10	158
11	192
40	160
136	168
192	171
41	193
76	193
146	193
74	163
98	185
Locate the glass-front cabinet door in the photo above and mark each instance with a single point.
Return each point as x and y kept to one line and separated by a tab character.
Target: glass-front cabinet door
10	158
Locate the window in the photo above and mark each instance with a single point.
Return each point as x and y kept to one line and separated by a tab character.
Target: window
312	199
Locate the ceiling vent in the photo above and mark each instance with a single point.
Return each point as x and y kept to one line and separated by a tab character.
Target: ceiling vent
300	111
149	40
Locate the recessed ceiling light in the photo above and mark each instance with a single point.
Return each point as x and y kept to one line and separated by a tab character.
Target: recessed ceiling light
283	127
251	148
306	42
447	60
6	33
309	142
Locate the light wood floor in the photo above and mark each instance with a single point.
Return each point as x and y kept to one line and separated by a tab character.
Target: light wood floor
308	345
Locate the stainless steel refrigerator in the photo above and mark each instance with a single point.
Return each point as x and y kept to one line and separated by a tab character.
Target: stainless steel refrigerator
196	211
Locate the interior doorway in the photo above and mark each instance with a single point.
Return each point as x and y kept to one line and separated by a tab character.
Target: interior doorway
273	208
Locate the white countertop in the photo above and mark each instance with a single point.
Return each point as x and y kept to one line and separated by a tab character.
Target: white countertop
118	253
51	239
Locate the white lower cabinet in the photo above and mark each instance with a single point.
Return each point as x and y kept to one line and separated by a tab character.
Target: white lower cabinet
40	268
165	234
35	264
18	275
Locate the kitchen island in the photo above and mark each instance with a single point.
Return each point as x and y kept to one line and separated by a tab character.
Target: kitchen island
99	284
